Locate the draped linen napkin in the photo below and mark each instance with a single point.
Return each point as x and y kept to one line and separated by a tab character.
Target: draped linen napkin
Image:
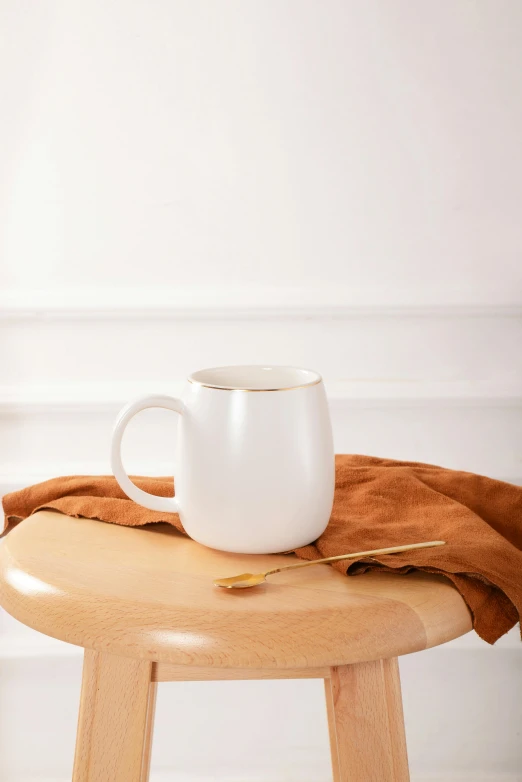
378	503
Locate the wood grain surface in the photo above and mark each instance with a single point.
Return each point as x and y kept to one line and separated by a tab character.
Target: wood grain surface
366	723
147	593
115	722
166	672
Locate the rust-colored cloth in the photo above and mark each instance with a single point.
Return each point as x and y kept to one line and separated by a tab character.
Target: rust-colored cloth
378	503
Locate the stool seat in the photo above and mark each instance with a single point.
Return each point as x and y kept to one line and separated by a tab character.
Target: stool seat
142	604
147	593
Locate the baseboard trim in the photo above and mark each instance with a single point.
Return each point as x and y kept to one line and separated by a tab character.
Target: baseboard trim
41	647
299	775
37	647
470	776
245	303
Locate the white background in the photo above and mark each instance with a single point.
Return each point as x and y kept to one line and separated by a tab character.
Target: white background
333	184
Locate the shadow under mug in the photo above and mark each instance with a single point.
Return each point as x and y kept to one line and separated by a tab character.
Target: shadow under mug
255	465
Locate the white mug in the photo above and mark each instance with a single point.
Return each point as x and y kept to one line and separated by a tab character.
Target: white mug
255	459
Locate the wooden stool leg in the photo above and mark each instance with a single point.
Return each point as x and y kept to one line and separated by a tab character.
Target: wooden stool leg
116	719
366	723
332	729
149	732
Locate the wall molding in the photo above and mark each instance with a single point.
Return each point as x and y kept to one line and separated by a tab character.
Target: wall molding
237	303
18	480
108	397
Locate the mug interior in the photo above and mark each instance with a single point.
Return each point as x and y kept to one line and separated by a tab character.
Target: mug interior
255	378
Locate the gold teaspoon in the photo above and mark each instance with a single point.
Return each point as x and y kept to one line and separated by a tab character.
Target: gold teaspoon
245	580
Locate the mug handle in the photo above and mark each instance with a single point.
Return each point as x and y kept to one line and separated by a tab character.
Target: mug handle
151	501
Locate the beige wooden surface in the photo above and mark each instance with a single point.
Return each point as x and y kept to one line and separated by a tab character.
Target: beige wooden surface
332	728
115	722
148	593
149	732
366	723
167	672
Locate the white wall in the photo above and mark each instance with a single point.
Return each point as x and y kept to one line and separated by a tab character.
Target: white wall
335	184
372	145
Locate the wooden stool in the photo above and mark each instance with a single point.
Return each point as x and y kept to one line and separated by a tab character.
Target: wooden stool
142	604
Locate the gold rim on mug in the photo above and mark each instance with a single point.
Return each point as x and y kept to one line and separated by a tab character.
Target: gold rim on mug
315	382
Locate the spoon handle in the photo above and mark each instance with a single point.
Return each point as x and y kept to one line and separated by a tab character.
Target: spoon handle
374	552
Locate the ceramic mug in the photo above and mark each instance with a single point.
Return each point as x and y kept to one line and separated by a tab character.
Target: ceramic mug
255	458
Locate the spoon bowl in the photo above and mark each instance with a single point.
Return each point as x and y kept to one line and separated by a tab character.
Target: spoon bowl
246	580
243	581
